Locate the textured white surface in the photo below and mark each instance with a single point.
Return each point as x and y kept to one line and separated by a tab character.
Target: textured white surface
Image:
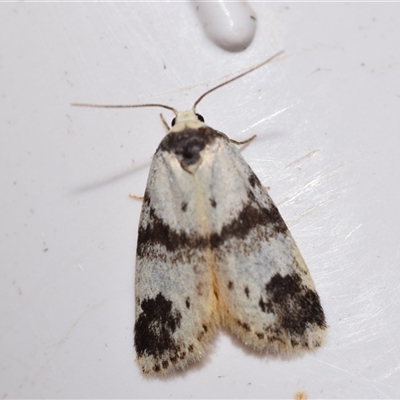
327	119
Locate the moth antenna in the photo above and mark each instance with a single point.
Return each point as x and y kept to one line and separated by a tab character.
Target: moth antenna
125	106
234	79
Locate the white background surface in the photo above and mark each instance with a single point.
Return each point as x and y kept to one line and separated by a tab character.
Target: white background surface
327	119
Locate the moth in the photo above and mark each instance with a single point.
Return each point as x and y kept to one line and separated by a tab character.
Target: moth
214	250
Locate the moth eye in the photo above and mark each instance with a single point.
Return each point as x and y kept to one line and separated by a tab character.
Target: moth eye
200	117
173	122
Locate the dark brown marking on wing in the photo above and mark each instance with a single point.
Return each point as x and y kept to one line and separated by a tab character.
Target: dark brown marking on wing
156	368
254	181
184	206
155	327
244	325
295	306
250	217
146	198
260	335
157	231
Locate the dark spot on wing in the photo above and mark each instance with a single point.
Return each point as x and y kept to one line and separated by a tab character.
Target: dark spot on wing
244	325
295	306
173	359
190	348
155	327
205	328
165	364
294	342
275	333
260	335
274	218
254	181
247	291
184	206
213	203
230	285
187	302
264	306
146	199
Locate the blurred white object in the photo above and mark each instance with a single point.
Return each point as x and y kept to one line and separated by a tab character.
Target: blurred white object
229	25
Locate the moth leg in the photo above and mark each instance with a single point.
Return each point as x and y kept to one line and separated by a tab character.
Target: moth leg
165	123
244	141
136	197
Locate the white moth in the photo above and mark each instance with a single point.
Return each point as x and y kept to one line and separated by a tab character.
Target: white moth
213	250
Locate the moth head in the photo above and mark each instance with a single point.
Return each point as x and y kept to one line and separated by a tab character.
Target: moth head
186	119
